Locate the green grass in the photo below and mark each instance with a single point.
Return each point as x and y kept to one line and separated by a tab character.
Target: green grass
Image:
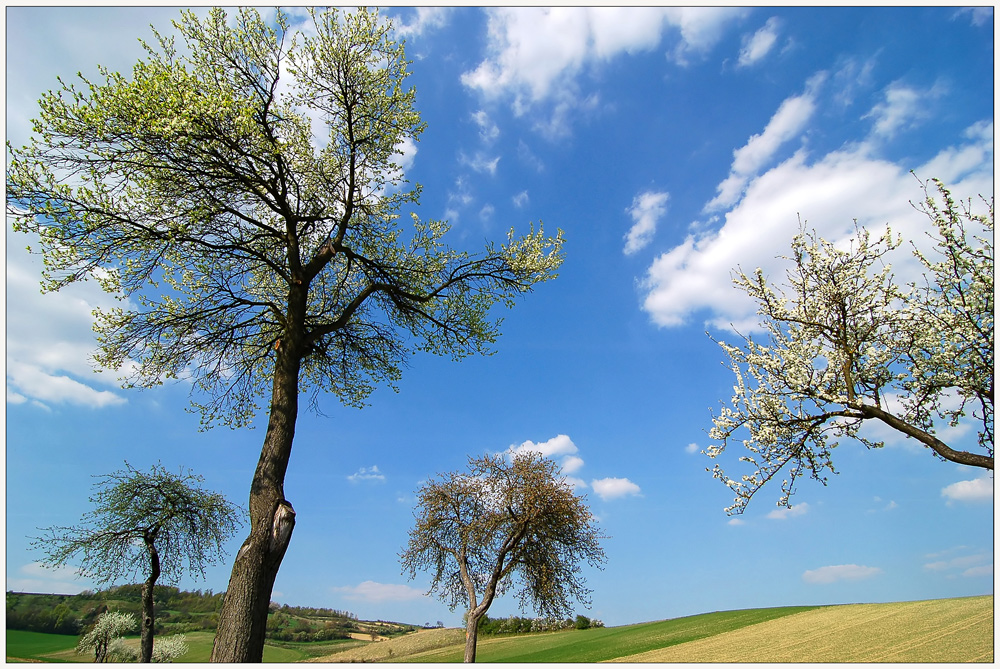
594	645
35	645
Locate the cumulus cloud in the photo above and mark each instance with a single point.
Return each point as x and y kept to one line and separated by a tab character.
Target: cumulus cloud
760	43
647	209
613	488
841	572
974	491
789	512
852	183
558	445
374	592
367	474
691	448
536	55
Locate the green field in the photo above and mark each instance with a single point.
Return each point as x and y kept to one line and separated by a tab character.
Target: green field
34	647
944	630
951	630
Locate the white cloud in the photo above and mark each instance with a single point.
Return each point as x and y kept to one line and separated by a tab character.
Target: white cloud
536	54
976	490
979	16
367	474
488	130
558	445
760	44
571	463
736	522
613	488
829	193
902	108
842	572
50	339
785	512
521	199
35	577
786	124
426	19
371	591
480	162
691	448
647	209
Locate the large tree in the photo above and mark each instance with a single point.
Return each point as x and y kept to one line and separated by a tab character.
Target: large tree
245	193
845	343
152	523
509	519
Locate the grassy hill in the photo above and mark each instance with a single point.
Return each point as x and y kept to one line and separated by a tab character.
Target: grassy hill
944	630
950	630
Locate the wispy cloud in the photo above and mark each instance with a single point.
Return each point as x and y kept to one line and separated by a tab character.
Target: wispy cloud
840	572
36	577
757	46
374	592
786	124
367	474
903	107
647	209
789	512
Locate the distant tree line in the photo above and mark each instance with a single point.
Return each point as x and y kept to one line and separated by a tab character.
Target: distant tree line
518	625
178	611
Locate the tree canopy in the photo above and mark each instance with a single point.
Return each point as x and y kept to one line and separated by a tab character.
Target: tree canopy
510	522
845	343
155	524
245	194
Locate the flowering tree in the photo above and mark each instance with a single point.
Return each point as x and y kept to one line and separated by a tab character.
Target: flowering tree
504	519
247	193
110	627
154	524
846	344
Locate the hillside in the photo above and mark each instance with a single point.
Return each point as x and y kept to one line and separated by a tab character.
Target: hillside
950	630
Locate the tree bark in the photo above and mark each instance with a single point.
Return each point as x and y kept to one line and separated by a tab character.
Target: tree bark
929	440
471	637
148	615
243	618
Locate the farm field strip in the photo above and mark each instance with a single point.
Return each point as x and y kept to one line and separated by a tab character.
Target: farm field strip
955	630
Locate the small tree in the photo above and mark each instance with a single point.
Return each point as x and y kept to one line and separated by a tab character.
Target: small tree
154	524
846	344
247	192
508	517
110	626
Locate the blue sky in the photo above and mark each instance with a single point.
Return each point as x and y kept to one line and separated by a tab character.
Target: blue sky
671	146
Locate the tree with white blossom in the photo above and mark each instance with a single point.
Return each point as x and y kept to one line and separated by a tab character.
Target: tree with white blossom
845	343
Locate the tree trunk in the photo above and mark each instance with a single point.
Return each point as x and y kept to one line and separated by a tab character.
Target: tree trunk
471	636
243	618
148	616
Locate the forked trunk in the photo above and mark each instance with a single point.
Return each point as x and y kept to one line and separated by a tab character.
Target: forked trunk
243	618
148	616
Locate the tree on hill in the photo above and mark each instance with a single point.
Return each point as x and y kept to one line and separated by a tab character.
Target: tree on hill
846	344
505	519
246	192
155	524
